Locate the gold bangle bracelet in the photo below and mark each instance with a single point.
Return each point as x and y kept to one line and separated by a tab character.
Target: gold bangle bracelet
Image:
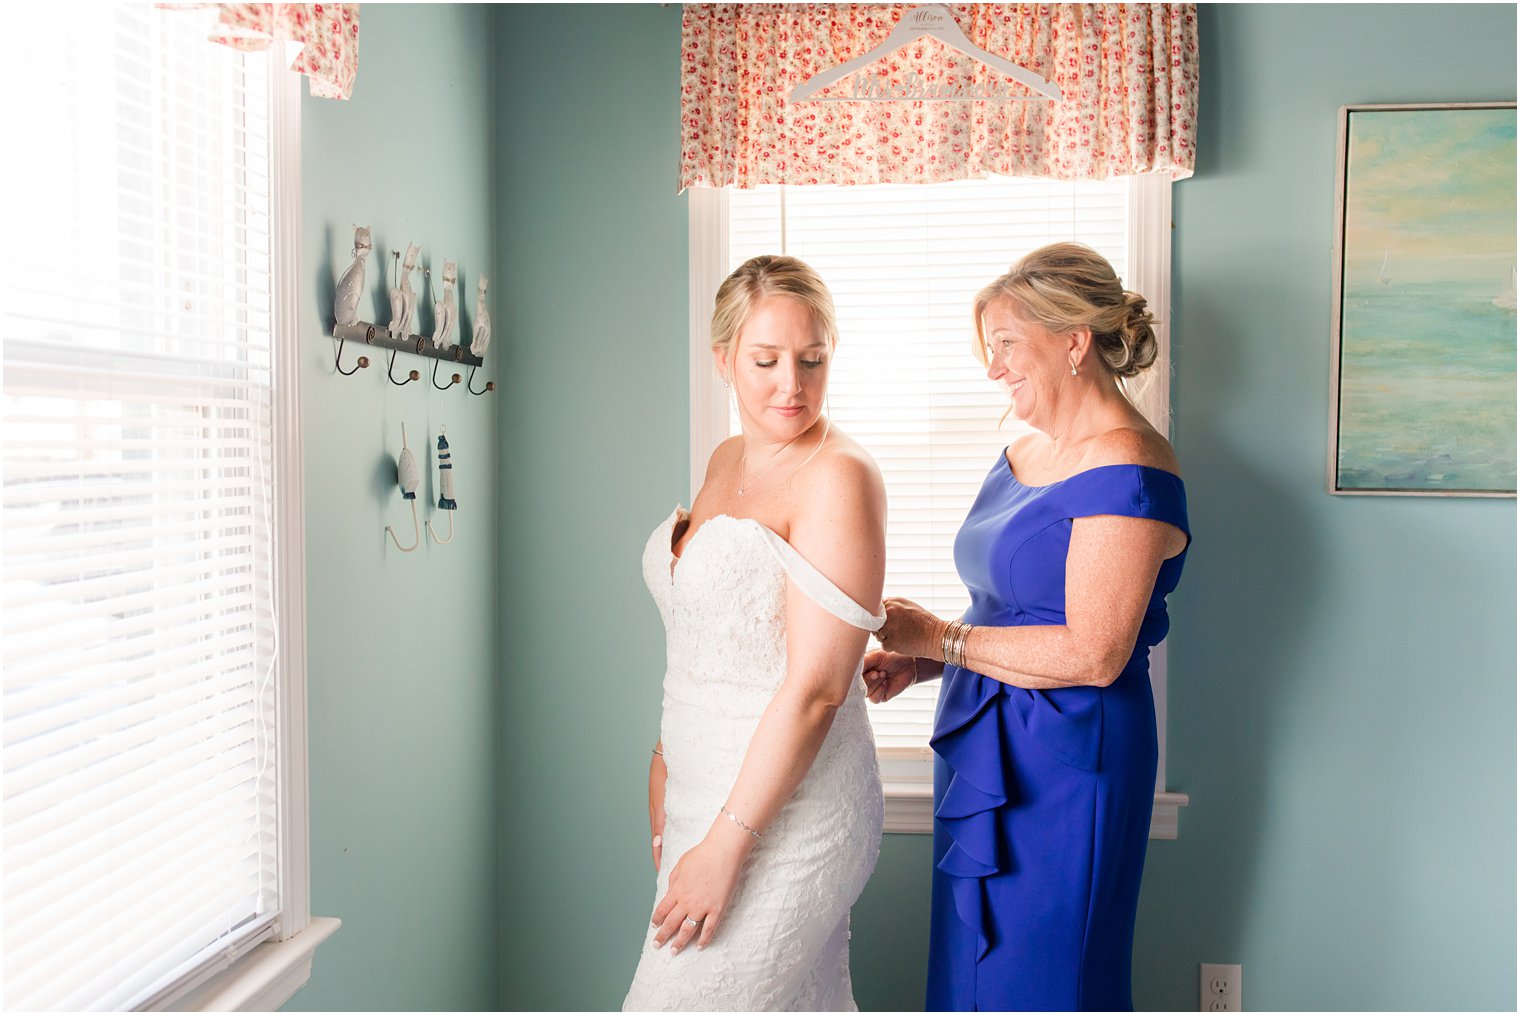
947	639
953	644
960	646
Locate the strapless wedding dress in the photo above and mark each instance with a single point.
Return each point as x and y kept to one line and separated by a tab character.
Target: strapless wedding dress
784	941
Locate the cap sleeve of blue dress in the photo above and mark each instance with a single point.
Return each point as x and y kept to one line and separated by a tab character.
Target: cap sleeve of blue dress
1131	491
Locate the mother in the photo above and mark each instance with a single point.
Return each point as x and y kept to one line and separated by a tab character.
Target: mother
1046	731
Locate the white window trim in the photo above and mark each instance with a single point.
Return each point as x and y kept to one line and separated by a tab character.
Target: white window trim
908	775
265	976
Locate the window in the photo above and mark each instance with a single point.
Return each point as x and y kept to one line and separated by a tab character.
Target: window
154	736
903	263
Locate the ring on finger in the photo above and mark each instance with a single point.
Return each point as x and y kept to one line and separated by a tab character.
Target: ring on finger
694	923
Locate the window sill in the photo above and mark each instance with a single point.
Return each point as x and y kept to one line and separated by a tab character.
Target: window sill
266	977
910	810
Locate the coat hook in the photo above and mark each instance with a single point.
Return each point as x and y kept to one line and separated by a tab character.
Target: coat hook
434	532
416	533
443	387
362	363
470	387
412	375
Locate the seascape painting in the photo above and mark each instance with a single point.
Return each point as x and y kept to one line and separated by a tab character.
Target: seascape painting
1424	392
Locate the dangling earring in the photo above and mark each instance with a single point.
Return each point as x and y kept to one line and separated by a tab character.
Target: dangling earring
1074	371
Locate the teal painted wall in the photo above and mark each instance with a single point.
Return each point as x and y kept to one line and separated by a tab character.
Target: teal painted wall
1342	685
402	647
594	437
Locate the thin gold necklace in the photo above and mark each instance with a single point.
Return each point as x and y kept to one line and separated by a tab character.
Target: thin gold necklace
774	459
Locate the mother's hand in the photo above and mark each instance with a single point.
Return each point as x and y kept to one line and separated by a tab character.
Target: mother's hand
910	630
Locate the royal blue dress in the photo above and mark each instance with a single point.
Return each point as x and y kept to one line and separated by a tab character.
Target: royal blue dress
1043	798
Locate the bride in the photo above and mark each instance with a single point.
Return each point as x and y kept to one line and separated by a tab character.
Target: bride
764	790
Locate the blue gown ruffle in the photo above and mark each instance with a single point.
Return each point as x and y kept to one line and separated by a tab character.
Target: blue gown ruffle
1043	798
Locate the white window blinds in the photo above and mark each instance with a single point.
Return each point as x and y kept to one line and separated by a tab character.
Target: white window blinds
140	685
903	263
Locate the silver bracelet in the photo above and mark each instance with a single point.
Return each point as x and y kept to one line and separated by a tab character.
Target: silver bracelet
738	821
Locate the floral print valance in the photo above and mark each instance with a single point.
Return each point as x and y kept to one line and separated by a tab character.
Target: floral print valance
328	35
1128	75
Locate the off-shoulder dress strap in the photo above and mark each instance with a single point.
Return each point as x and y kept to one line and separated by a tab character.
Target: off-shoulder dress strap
818	587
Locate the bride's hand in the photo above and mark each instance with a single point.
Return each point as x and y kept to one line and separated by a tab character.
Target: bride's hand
701	886
910	629
888	674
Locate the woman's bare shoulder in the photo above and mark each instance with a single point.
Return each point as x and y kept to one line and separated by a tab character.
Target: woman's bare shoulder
1132	445
840	490
724	457
838	517
842	466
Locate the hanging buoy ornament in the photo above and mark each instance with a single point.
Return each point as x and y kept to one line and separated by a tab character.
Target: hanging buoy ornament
406	470
407	478
446	499
445	475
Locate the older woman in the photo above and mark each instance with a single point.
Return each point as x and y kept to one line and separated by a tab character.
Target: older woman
1046	732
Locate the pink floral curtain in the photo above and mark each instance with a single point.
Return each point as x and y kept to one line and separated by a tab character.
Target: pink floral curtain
328	35
1128	75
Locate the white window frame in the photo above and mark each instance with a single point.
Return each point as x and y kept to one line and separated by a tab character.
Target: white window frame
269	974
907	777
262	973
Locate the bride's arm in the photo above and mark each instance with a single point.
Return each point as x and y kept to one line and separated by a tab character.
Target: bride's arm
839	526
657	802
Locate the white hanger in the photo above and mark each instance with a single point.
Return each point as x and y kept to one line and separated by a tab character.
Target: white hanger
935	20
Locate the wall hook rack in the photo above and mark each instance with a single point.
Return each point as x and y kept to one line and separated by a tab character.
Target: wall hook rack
378	337
397	336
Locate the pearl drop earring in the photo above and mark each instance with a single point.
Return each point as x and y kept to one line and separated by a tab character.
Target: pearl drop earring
1074	370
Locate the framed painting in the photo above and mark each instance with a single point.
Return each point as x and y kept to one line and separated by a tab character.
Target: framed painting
1423	370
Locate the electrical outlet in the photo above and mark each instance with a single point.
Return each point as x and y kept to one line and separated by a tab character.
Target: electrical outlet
1218	987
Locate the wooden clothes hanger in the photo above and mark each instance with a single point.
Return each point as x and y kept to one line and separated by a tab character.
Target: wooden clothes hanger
937	21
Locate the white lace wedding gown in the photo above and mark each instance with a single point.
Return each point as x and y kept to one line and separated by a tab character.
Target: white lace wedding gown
783	944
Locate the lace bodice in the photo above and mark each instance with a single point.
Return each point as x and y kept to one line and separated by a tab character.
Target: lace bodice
784	942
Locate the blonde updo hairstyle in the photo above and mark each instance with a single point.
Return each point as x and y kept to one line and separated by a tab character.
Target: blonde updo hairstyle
1066	286
769	275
